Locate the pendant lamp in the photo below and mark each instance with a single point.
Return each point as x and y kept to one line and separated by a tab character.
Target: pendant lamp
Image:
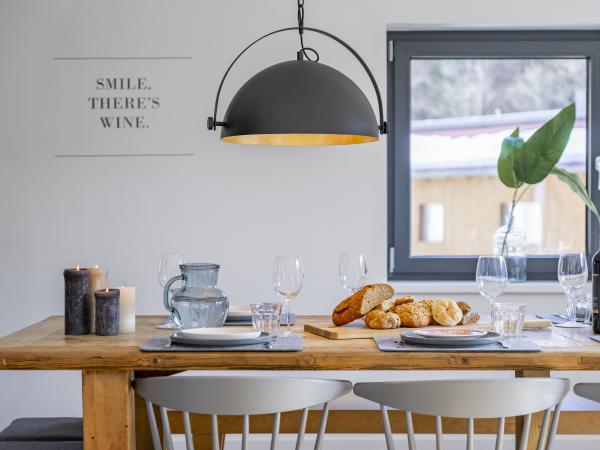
300	102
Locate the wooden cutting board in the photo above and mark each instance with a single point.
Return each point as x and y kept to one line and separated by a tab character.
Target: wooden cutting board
358	329
354	330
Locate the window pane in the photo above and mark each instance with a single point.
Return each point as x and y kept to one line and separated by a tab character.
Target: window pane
461	110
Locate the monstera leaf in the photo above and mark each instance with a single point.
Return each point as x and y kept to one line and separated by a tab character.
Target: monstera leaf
506	162
543	149
573	181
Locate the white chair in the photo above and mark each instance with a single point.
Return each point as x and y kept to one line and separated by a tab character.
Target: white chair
591	391
236	396
470	399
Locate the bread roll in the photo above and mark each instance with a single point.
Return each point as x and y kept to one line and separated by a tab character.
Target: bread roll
464	307
446	312
469	319
414	315
402	300
380	320
360	303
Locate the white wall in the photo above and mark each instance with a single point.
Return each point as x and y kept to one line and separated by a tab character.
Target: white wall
235	205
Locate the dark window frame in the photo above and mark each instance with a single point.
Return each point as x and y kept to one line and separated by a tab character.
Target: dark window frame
510	44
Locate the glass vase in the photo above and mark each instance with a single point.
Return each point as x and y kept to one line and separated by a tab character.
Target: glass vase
513	246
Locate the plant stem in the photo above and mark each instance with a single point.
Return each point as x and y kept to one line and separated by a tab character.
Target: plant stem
516	199
523	193
510	221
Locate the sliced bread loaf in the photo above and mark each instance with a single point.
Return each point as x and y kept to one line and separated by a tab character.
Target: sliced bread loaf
360	303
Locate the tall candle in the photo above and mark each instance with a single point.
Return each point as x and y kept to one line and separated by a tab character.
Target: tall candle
76	299
127	310
107	312
98	280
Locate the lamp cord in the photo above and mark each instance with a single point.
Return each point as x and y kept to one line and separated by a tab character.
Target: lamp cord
303	50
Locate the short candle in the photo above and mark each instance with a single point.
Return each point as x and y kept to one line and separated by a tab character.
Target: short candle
107	312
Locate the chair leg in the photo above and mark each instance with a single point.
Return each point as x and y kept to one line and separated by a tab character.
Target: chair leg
536	419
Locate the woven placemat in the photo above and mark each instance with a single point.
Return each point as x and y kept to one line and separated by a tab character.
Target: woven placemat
390	344
281	344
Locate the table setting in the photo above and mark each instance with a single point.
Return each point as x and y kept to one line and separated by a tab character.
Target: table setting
203	319
406	324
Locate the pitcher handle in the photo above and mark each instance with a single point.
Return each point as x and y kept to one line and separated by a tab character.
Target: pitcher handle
168	305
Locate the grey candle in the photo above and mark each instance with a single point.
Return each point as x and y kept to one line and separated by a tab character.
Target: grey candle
76	310
107	312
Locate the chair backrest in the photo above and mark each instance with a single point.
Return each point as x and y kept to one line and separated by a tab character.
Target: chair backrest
236	396
591	391
471	399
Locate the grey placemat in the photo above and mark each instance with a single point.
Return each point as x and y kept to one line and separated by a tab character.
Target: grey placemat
389	344
281	344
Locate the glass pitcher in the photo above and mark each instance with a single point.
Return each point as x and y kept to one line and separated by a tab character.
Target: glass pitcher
199	303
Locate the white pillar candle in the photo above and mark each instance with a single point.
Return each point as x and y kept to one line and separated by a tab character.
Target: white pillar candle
127	310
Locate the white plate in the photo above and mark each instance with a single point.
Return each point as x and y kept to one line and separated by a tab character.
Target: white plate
451	333
221	333
239	311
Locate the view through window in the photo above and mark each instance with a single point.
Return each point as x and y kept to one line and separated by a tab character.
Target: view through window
461	109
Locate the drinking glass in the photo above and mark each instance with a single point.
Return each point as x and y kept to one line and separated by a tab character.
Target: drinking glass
266	317
288	276
353	271
572	275
491	276
580	308
508	319
168	267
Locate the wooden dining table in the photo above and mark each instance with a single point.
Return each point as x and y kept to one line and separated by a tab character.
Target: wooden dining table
112	413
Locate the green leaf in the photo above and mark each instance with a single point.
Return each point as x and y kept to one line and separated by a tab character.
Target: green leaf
506	160
572	180
544	148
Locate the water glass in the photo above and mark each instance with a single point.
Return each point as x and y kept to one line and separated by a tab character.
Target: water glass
168	267
491	276
266	317
288	276
353	271
579	307
572	275
508	319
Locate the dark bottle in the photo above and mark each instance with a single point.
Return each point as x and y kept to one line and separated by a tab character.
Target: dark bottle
596	293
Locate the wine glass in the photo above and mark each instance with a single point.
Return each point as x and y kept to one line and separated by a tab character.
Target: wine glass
353	271
288	275
491	276
572	275
168	267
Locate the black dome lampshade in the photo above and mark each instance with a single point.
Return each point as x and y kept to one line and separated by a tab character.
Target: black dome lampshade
301	102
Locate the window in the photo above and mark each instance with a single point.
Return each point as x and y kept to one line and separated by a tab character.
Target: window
452	97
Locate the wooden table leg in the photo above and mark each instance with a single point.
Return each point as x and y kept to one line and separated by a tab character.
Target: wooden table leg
536	419
108	410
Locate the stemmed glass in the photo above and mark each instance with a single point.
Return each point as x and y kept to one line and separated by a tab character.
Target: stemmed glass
168	267
491	276
572	275
353	271
288	276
